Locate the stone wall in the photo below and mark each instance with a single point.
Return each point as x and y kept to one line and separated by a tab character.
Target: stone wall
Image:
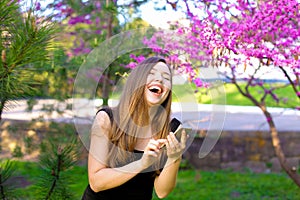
245	151
235	150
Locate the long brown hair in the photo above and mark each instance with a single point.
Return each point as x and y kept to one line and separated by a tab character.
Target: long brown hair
133	114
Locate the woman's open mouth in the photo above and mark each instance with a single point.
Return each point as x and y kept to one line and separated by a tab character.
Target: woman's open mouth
156	89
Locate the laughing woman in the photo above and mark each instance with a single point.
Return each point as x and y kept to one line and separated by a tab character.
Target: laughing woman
132	150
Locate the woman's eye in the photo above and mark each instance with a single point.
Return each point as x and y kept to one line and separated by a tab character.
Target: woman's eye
167	78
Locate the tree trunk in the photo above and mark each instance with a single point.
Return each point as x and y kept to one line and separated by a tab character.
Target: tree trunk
105	85
2	103
291	171
105	88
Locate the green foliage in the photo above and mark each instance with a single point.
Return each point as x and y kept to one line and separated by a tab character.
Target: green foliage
8	9
31	171
12	129
28	142
56	78
77	38
7	169
185	165
24	44
136	23
30	103
54	182
17	152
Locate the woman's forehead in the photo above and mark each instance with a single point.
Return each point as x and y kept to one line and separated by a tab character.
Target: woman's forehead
160	66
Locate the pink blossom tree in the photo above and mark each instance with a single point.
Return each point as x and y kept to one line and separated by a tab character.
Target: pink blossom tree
86	24
245	40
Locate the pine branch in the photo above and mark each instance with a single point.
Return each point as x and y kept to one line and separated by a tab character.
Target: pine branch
1	188
7	168
61	157
55	174
24	44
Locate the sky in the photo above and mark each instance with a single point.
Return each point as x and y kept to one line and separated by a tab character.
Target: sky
159	18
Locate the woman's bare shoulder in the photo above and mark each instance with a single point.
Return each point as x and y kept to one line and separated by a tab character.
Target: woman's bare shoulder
102	121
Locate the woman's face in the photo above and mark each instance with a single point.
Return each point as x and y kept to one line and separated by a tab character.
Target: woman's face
158	84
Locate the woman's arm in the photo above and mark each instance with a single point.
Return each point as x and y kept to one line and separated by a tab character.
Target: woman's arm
101	177
166	181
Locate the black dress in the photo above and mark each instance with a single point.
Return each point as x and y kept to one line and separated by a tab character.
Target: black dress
140	187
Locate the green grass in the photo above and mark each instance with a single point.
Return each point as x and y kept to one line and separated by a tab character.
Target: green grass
223	184
231	95
233	185
31	172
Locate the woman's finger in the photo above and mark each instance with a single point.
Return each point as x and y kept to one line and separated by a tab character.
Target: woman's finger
152	147
168	145
183	138
173	139
157	142
161	142
152	153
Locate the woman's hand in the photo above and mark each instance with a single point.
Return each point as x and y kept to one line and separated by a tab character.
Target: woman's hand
151	152
174	147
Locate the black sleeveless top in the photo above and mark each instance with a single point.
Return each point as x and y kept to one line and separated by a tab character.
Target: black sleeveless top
140	187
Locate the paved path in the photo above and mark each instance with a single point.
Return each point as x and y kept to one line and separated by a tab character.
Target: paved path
198	116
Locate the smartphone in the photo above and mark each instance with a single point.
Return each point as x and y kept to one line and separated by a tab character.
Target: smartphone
175	126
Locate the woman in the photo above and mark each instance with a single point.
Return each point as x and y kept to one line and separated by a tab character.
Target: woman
126	158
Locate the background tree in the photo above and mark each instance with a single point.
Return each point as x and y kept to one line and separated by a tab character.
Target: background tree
245	40
86	24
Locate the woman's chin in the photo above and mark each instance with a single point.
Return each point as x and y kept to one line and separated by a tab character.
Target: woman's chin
154	101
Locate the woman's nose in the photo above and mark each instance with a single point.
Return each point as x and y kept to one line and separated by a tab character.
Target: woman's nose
158	77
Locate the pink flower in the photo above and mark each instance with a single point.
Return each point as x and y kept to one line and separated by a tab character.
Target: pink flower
98	32
38	6
79	19
138	59
131	65
98	5
58	5
199	83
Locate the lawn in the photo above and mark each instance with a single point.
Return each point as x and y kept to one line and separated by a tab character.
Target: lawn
223	184
230	93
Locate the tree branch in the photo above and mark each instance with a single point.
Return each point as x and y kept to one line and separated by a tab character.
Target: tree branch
252	78
290	80
56	174
247	93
